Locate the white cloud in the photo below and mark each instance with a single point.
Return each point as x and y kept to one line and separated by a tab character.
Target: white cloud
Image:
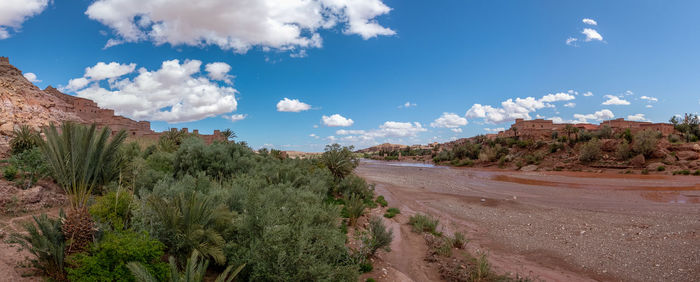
336	120
235	117
174	93
570	105
312	135
349	132
497	129
571	41
518	108
592	34
14	12
407	105
636	117
449	120
31	77
292	105
589	21
588	94
219	71
650	99
103	71
614	100
76	84
604	114
456	130
238	24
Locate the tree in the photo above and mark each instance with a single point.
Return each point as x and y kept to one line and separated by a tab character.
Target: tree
570	129
80	159
194	271
23	138
645	142
689	126
228	134
340	161
590	151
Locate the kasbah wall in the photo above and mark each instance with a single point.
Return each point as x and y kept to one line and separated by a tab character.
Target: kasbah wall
88	110
543	129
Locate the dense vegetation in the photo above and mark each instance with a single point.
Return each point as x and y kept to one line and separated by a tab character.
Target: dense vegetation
222	208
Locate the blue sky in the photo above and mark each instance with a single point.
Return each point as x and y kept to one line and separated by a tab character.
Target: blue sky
456	64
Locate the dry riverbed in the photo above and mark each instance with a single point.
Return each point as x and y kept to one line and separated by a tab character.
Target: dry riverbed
555	226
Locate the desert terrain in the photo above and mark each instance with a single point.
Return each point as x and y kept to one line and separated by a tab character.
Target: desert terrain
555	226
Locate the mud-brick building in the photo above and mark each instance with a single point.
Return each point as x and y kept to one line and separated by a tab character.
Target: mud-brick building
543	129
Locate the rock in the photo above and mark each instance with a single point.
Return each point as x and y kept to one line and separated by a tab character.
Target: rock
687	155
670	159
608	145
529	168
638	161
654	166
696	147
483	200
660	153
7	128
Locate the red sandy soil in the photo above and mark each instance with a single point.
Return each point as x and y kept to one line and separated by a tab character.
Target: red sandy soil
555	226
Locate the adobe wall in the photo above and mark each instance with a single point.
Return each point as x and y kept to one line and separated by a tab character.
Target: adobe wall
543	129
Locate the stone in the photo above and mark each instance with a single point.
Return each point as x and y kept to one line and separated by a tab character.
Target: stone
654	166
529	168
638	161
687	155
7	128
696	147
608	145
660	153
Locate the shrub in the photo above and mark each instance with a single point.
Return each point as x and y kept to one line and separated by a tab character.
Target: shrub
423	223
443	246
482	269
673	138
459	241
555	147
605	132
590	151
355	208
30	167
107	259
44	240
23	138
366	267
381	201
660	168
645	142
697	172
340	161
113	208
682	172
10	172
370	280
194	271
353	184
379	237
645	171
391	212
624	152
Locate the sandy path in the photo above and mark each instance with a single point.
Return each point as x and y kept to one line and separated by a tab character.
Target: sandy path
557	226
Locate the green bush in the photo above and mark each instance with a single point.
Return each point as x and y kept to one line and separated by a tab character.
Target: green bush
31	167
23	138
339	160
381	201
590	151
682	172
391	212
697	172
459	240
645	171
645	142
355	208
44	240
107	260
113	208
423	223
379	237
660	168
10	172
624	151
355	185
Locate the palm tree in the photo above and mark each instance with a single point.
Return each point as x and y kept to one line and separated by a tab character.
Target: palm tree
80	159
340	161
195	220
228	134
43	238
23	138
194	271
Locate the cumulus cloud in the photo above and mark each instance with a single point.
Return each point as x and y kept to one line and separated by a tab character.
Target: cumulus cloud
650	99
14	12
102	71
312	135
456	130
292	105
604	114
238	24
592	34
449	120
497	129
177	92
571	41
588	94
219	71
614	100
407	105
518	108
390	129
570	105
336	120
636	117
348	132
235	117
589	21
31	77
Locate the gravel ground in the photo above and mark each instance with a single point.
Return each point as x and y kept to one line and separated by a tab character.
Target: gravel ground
560	226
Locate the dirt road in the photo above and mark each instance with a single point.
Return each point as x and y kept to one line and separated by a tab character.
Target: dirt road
555	226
